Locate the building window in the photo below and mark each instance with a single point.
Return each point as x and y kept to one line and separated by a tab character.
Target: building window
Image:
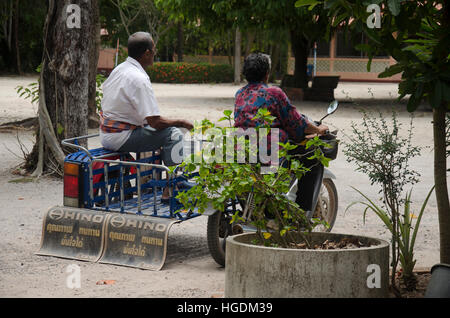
345	46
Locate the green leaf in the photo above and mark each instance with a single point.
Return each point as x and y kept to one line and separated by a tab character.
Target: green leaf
377	210
363	47
339	19
394	69
436	97
394	7
325	161
302	3
59	129
419	217
413	103
227	112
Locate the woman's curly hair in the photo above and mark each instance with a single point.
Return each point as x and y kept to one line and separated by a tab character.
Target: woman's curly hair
256	67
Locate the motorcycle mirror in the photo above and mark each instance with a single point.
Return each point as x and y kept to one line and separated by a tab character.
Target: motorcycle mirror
331	109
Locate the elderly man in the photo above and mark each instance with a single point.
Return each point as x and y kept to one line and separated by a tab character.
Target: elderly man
130	118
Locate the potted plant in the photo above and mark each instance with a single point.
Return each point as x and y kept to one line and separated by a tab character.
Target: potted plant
282	257
379	150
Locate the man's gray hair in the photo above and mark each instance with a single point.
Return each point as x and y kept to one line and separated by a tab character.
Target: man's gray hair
138	43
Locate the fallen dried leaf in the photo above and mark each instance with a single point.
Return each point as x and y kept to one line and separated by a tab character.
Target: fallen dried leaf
106	282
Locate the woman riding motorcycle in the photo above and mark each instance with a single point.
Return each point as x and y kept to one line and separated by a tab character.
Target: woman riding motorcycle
292	125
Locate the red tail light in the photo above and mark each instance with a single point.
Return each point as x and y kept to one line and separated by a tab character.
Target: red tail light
71	185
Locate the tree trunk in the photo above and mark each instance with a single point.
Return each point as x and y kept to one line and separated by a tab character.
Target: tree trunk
180	46
210	52
237	57
5	43
16	36
250	39
64	82
229	47
300	49
93	64
275	53
440	179
10	22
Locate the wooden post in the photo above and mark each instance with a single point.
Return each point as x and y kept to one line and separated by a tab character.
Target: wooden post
332	52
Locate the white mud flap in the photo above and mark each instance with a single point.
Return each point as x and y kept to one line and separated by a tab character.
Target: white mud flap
136	241
105	237
73	233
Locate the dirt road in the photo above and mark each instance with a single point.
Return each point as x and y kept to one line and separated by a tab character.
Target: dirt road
189	270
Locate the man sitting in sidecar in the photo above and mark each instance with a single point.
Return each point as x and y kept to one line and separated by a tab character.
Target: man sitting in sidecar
130	117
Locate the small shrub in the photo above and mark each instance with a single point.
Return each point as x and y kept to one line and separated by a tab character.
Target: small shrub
379	151
190	73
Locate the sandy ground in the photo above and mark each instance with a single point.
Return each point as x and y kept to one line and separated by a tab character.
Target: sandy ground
189	270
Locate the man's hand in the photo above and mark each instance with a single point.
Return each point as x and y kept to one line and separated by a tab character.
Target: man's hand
160	123
187	125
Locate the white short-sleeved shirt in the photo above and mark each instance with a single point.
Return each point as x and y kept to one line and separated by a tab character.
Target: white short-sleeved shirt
127	97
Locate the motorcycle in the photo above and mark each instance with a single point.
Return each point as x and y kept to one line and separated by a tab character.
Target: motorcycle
318	197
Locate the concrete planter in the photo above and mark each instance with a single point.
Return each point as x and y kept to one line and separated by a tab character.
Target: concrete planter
264	272
439	285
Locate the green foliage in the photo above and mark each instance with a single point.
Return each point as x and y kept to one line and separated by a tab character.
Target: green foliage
379	151
32	92
415	34
99	80
190	73
30	32
405	237
219	181
304	25
29	92
203	26
310	3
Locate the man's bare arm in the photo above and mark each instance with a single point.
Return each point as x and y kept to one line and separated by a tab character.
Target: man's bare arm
160	123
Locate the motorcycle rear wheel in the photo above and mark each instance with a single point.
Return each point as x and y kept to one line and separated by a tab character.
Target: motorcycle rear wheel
219	227
327	205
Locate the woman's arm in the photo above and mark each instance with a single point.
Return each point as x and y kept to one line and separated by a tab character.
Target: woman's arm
312	130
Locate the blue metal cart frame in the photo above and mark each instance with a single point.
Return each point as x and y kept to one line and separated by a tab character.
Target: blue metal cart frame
111	194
